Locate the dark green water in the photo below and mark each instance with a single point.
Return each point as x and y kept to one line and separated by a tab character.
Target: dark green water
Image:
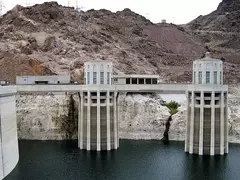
134	160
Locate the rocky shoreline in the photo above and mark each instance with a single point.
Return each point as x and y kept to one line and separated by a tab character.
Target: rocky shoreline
141	117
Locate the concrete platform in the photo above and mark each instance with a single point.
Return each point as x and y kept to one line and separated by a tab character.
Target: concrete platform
158	88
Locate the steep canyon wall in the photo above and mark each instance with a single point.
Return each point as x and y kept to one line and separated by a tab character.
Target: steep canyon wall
141	116
46	116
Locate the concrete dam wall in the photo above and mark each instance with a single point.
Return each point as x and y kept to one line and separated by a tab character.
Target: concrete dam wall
9	154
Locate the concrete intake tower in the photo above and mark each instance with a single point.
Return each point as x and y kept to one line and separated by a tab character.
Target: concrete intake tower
206	123
98	122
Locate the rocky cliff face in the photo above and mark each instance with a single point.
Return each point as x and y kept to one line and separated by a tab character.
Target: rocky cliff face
229	6
49	117
225	18
234	119
178	124
46	117
142	117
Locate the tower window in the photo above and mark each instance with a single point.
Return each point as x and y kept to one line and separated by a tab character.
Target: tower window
140	81
194	77
108	78
94	77
220	77
134	80
207	77
101	77
115	80
200	77
215	77
148	81
88	78
154	81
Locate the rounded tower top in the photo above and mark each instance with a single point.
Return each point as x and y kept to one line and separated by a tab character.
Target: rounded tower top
98	72
207	70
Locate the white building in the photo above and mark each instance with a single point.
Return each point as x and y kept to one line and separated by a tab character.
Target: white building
164	21
43	79
98	72
206	124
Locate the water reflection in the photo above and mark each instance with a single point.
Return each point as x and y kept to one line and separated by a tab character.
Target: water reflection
210	167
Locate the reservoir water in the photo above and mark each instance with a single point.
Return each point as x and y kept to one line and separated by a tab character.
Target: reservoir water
134	160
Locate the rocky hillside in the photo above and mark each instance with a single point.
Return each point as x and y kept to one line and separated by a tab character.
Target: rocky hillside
51	39
220	32
226	18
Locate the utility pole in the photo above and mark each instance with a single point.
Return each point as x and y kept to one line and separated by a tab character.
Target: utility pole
77	6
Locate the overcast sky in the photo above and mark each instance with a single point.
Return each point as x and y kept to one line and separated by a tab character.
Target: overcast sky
175	11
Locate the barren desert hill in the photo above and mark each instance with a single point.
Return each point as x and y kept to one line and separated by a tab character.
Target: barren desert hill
51	39
225	18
